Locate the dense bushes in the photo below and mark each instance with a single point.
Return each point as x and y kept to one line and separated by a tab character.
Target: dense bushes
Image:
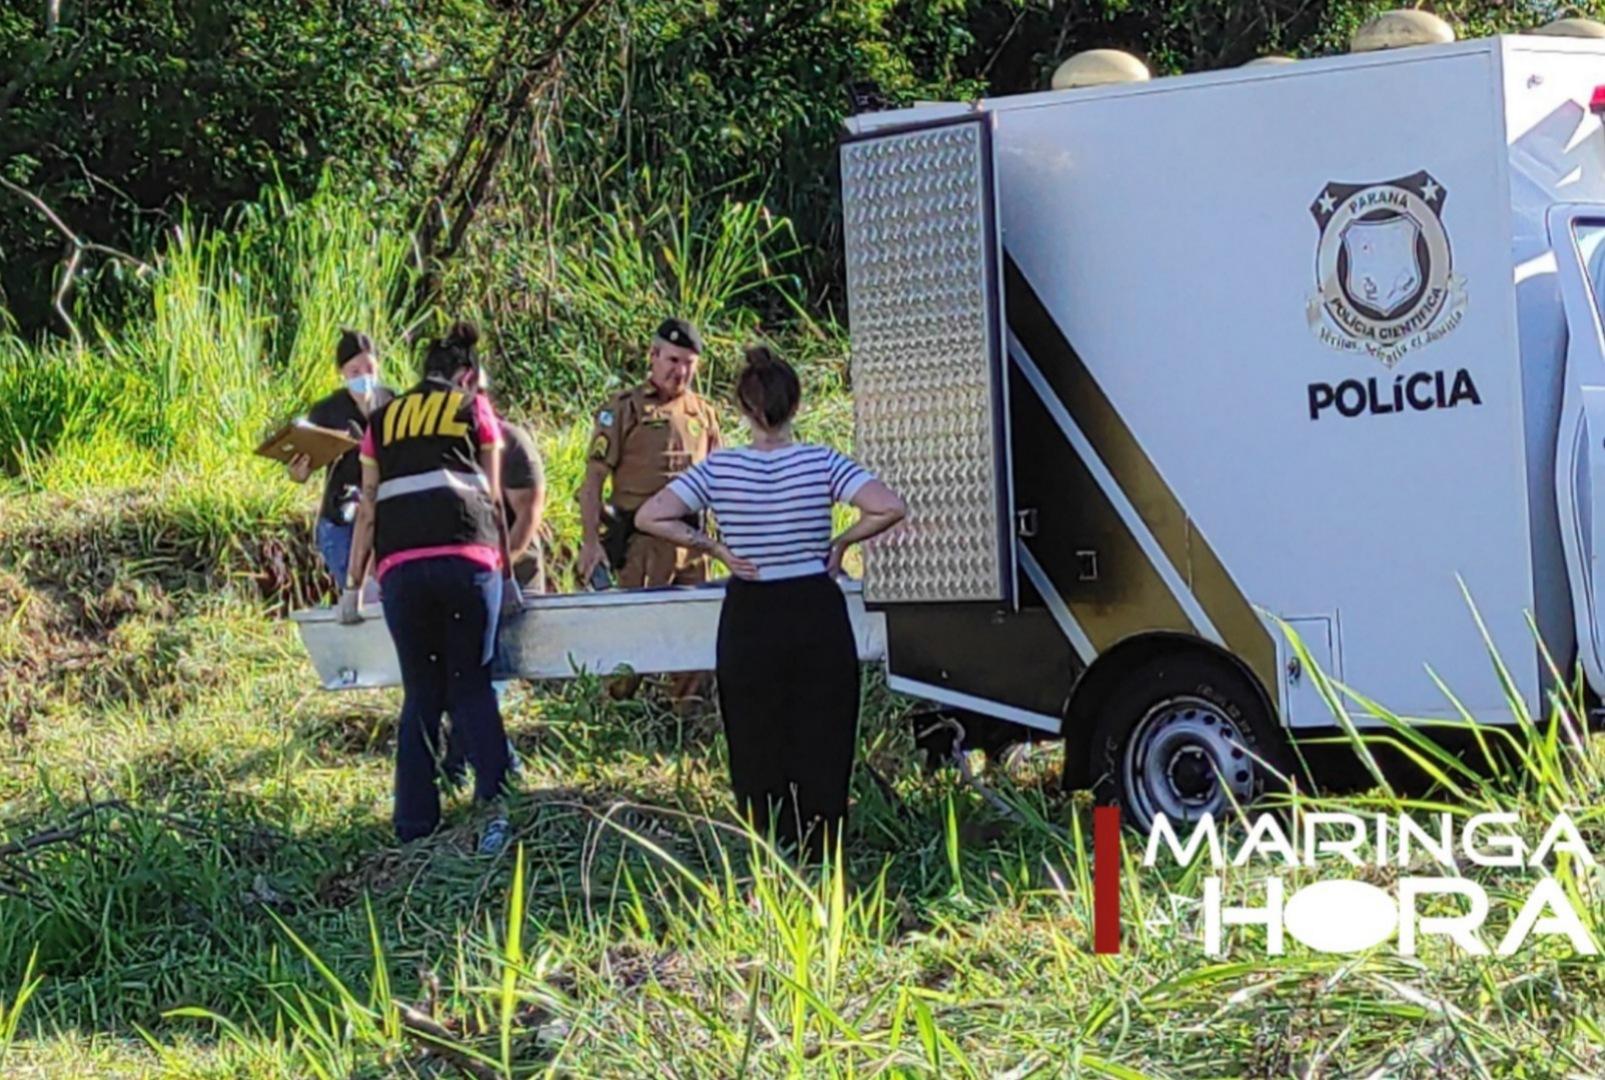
238	326
683	157
114	113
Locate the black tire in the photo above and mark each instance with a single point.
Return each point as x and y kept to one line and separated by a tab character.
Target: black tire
1173	728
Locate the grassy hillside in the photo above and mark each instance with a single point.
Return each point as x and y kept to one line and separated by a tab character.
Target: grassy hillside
197	873
198	877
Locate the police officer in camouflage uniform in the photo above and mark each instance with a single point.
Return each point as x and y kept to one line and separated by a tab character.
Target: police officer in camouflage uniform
643	438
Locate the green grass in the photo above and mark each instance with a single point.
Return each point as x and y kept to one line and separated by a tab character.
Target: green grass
239	332
197	876
213	889
237	329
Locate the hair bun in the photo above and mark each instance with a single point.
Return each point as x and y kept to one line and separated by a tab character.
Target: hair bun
351	343
767	388
464	335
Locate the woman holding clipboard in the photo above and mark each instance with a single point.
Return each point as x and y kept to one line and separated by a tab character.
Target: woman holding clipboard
345	411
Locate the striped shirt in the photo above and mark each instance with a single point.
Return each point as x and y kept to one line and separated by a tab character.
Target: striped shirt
774	506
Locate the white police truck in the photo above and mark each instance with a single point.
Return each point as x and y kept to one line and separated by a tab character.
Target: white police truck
1168	367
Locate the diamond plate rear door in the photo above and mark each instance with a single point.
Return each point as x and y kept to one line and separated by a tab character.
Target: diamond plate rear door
925	311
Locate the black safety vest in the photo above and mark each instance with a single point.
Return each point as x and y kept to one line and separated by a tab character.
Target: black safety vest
432	492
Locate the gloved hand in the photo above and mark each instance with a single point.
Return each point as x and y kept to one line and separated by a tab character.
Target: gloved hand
512	598
350	606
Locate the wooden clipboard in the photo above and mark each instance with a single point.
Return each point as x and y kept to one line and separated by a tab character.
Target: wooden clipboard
321	445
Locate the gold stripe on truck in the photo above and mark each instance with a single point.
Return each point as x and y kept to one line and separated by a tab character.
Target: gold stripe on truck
1127	595
1134	472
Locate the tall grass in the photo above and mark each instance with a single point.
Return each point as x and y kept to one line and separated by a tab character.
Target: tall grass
11	1011
710	955
240	333
243	316
574	294
234	906
624	270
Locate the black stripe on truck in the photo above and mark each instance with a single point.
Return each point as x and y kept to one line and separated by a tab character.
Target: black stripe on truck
1134	473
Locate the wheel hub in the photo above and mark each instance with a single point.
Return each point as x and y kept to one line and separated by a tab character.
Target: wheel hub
1185	758
1190	774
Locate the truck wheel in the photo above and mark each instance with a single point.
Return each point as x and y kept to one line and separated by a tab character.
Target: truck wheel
1185	735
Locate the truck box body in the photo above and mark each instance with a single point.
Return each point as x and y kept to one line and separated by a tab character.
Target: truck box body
1279	343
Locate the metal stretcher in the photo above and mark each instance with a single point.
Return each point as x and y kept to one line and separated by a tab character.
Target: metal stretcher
561	635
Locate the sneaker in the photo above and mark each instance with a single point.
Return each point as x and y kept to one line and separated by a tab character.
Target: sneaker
493	841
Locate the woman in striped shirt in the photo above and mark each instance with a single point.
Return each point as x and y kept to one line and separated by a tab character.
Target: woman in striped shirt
786	658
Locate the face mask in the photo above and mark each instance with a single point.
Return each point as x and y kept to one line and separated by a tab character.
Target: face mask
362	385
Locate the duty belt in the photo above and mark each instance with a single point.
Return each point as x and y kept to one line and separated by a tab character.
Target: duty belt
436	479
618	525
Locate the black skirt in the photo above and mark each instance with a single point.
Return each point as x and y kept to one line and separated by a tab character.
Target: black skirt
788	695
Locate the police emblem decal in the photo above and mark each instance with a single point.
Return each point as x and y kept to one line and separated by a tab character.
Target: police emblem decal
1384	271
605	418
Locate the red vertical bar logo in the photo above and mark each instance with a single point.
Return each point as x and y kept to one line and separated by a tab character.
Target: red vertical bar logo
1106	879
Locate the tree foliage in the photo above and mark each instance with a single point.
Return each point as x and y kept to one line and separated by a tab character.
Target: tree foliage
115	112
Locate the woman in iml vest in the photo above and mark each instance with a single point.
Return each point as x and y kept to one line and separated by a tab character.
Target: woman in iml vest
430	517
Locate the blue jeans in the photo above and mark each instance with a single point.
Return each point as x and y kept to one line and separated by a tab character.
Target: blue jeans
334	544
442	615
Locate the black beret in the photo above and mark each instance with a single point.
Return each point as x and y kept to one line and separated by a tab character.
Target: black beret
682	333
